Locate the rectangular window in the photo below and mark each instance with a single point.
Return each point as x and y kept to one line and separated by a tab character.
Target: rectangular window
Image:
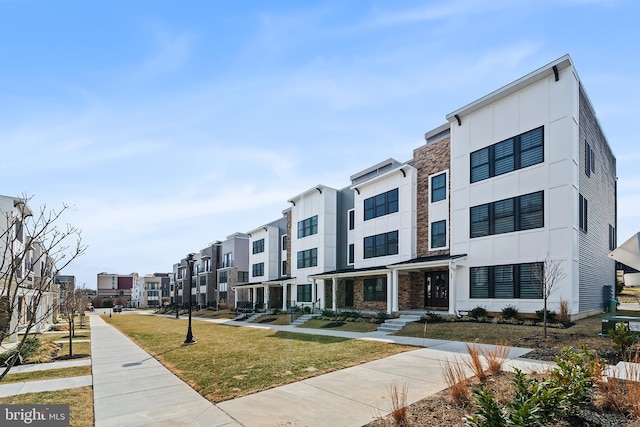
505	216
258	246
227	260
439	234
285	242
304	293
352	254
352	219
510	281
518	152
380	205
258	269
381	245
438	187
243	276
203	280
582	213
308	258
284	268
587	158
612	237
223	277
375	289
308	226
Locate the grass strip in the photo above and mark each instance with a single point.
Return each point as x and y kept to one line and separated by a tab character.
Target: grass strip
48	374
80	401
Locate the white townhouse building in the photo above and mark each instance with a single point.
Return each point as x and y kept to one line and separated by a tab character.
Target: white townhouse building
233	269
532	178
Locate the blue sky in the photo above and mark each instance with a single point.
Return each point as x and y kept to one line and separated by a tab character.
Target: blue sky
168	125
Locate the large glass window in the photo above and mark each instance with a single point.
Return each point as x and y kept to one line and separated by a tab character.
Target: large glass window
521	151
507	281
258	269
223	277
308	226
380	205
505	216
308	258
304	293
258	246
375	289
381	244
438	187
439	234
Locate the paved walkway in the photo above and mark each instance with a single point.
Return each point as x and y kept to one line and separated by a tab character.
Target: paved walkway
131	388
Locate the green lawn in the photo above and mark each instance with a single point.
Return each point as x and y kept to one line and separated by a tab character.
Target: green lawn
274	319
341	325
80	401
48	374
232	361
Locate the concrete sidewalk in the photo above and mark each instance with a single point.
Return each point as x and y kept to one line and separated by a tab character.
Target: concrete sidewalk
147	394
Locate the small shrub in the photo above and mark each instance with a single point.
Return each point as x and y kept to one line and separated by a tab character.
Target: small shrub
29	348
381	316
327	313
551	316
509	312
622	337
275	311
575	375
306	309
433	317
351	314
563	315
478	312
489	414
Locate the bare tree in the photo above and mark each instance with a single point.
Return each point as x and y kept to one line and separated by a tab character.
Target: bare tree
74	305
34	249
547	276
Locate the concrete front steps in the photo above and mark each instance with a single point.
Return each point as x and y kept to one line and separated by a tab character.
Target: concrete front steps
391	326
303	319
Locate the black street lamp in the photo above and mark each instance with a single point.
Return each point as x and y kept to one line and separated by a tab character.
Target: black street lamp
189	339
175	295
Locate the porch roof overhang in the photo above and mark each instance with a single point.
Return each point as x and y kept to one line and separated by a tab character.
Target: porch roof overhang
421	263
351	272
278	281
628	253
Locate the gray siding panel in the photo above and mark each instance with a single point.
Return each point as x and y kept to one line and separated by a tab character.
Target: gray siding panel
596	269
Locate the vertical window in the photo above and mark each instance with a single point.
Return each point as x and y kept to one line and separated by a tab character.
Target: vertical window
381	204
224	277
243	276
258	269
503	283
582	213
587	158
504	216
531	211
352	219
285	242
612	237
438	187
352	253
308	226
504	157
480	165
480	220
375	289
479	282
439	234
258	246
304	293
284	268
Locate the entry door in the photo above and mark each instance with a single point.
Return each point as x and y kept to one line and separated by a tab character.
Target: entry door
348	298
436	290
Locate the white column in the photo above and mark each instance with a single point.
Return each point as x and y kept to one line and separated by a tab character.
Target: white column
313	291
389	293
321	294
452	287
396	290
235	296
13	323
334	294
253	296
285	289
266	297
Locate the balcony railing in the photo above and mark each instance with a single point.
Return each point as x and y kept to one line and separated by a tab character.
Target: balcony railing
225	264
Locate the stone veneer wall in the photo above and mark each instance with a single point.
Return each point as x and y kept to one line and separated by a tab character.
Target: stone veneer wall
358	295
289	238
411	291
429	159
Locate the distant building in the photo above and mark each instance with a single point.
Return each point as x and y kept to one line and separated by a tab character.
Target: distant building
116	286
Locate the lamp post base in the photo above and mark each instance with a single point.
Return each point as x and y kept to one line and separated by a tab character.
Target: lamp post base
188	343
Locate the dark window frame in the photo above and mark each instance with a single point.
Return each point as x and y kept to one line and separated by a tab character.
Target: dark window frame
522	280
381	204
303	293
258	246
352	254
484	161
439	239
583	213
308	226
307	258
352	219
375	290
439	187
379	245
257	269
482	218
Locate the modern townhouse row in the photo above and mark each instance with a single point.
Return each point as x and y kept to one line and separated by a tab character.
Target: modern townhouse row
519	176
28	291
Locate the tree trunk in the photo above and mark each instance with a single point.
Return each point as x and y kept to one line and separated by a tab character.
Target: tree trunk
71	334
544	317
